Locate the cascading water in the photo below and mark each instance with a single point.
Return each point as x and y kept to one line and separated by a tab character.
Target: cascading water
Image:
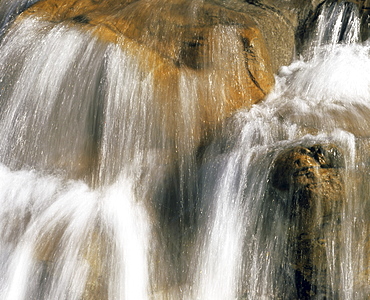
100	168
246	240
100	193
10	9
61	239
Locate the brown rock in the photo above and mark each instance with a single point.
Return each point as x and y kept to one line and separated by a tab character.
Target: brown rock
312	180
227	51
180	36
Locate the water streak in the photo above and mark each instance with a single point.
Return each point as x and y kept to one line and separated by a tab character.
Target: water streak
244	245
100	192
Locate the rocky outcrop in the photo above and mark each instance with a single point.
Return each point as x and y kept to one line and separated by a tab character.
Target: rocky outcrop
181	35
227	51
176	35
312	180
191	38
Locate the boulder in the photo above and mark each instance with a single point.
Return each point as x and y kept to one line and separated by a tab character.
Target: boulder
168	40
311	177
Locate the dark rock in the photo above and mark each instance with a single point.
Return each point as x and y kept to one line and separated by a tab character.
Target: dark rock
312	180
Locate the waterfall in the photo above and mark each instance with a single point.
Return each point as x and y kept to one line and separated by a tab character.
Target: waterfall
245	239
75	233
109	191
9	9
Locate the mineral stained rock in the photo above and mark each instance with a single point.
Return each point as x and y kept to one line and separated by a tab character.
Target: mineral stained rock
181	34
228	51
312	180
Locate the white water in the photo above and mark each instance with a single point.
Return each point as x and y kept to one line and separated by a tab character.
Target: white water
87	163
90	117
9	9
243	246
52	232
61	239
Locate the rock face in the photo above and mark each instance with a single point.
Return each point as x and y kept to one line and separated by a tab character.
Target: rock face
174	36
190	36
312	179
191	39
280	21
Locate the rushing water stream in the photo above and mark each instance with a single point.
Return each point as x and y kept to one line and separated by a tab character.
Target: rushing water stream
102	199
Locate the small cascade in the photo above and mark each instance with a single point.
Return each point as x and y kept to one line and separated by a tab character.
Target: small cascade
121	179
338	23
94	121
256	239
9	9
58	237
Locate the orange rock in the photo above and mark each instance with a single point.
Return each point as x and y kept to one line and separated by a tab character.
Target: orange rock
202	42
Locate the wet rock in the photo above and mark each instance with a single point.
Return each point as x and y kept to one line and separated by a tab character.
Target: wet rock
307	28
294	166
181	35
312	182
95	254
204	60
228	51
180	32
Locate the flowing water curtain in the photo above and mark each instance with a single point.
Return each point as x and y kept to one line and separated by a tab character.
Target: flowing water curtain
92	111
320	100
338	23
334	22
50	112
132	128
65	240
10	9
52	108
